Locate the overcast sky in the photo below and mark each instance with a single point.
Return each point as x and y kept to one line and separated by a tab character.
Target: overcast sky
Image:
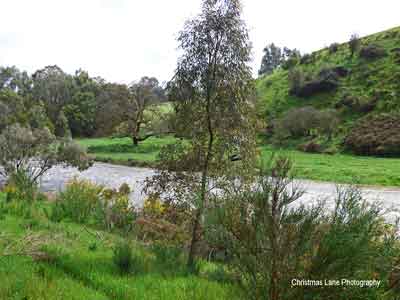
122	40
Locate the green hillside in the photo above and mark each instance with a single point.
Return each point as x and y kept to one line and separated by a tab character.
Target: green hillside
367	84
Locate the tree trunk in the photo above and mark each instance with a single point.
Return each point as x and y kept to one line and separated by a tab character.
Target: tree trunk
135	141
203	191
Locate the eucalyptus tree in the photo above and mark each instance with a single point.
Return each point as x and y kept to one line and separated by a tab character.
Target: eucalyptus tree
54	87
271	60
213	91
144	93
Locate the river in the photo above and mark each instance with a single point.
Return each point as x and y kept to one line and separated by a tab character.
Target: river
114	175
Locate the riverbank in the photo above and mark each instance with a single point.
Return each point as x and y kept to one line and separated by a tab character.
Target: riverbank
339	168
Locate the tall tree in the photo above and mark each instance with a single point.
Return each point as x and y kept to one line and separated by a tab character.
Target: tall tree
213	89
271	60
144	93
354	44
54	88
111	107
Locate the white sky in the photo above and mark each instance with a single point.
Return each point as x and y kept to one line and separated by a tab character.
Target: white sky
122	40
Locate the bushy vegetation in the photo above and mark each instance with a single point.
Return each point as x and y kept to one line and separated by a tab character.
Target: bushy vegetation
272	240
87	203
375	135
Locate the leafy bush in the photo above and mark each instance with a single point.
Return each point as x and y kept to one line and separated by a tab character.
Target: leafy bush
35	151
326	80
307	121
123	258
20	187
81	201
375	135
311	147
354	44
333	48
372	52
296	80
167	256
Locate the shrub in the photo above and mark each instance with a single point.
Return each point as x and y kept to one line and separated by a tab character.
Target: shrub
167	256
307	121
36	151
124	189
307	59
80	201
274	240
333	48
123	258
357	104
325	81
372	52
296	80
21	188
375	135
118	213
311	147
354	44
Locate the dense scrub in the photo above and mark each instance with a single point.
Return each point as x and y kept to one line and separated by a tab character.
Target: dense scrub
375	135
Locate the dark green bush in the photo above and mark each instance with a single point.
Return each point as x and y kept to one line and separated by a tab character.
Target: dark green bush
325	81
123	258
306	121
333	48
372	52
375	135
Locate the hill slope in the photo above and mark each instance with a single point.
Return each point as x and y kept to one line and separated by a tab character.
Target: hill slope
366	84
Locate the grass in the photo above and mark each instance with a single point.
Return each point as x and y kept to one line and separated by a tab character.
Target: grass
77	270
340	168
121	150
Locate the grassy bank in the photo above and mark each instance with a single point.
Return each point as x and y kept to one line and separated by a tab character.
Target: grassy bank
341	168
78	265
122	151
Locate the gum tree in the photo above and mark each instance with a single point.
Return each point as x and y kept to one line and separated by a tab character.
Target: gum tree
213	93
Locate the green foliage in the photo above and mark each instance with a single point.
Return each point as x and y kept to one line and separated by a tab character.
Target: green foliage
372	51
305	122
354	44
21	188
123	258
79	201
271	60
273	240
35	151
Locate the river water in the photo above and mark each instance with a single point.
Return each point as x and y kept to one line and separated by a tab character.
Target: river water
114	175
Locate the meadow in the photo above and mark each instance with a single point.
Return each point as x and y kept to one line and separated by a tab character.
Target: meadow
340	168
40	259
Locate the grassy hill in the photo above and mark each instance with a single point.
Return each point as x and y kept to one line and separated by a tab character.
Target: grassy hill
368	83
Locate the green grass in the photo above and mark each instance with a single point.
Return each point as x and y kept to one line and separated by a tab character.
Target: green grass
341	168
121	150
77	272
